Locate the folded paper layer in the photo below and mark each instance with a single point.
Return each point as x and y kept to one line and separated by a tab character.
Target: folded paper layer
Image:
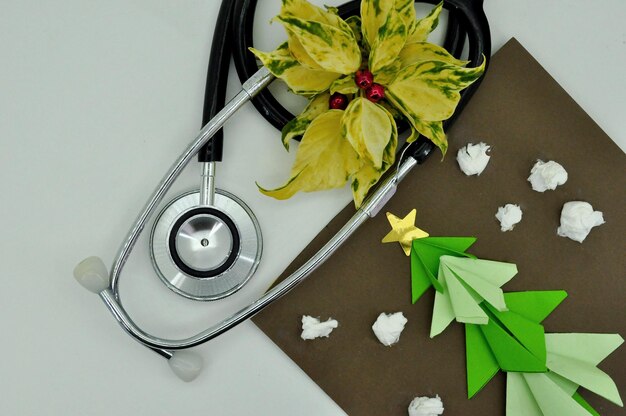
425	260
494	346
466	283
536	394
575	357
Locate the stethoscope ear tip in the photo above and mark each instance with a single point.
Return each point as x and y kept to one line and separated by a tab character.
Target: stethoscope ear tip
92	274
187	365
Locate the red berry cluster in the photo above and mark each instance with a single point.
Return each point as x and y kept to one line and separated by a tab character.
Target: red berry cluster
364	79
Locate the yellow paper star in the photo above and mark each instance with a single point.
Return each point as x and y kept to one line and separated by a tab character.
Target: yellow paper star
404	231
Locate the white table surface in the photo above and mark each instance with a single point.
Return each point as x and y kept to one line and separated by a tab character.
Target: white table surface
96	99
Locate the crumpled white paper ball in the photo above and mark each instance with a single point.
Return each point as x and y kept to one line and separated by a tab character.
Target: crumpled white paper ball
509	215
312	327
547	175
577	220
388	327
473	158
426	406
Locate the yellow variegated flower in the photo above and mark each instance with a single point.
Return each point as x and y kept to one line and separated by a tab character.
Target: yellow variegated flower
378	68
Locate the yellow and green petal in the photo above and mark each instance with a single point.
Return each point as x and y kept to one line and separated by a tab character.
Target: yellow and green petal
369	128
433	130
362	182
344	85
367	176
388	42
299	78
387	74
302	9
355	24
373	16
406	10
423	27
395	113
414	134
333	48
297	126
298	52
429	90
424	51
325	159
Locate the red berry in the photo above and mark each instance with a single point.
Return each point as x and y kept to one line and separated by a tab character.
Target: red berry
375	93
338	101
364	78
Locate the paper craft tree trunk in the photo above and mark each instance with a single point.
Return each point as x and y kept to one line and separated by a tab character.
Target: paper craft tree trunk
503	331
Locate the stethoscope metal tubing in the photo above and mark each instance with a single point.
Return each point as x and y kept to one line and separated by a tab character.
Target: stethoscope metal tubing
369	209
479	45
250	88
207	188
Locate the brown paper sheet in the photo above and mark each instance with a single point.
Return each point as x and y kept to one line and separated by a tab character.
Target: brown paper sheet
525	115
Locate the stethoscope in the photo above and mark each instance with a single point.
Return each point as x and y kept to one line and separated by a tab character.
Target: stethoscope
206	244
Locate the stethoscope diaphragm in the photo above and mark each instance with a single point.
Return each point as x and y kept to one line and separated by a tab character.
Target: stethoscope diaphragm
206	252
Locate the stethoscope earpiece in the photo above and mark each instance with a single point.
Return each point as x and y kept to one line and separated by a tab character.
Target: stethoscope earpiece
92	274
187	365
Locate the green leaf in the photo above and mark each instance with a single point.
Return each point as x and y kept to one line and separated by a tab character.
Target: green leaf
333	48
423	51
369	128
324	160
297	126
299	78
420	31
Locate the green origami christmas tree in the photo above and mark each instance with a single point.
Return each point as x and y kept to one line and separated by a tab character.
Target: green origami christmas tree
503	331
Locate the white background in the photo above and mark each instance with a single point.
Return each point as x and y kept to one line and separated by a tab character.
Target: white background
96	99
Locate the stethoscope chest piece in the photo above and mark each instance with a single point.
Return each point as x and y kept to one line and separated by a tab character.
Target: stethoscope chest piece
206	252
